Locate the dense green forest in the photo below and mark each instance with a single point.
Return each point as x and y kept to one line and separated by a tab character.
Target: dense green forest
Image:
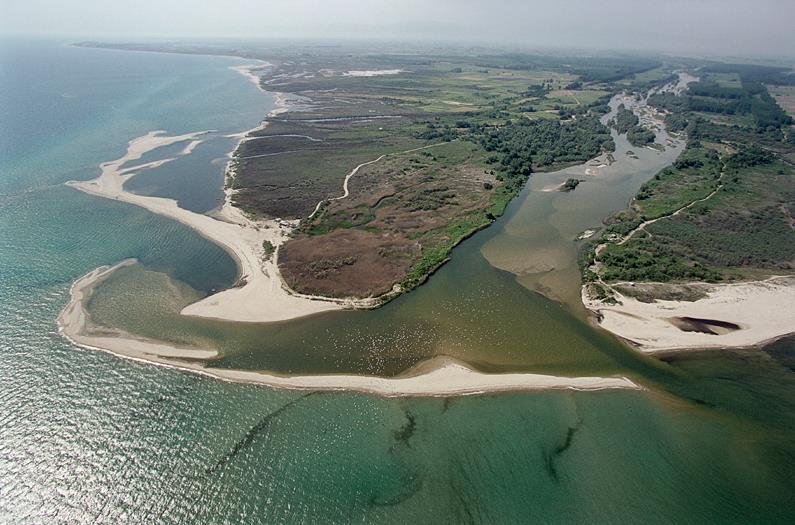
626	122
708	96
524	143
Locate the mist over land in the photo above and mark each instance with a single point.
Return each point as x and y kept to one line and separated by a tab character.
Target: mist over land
733	28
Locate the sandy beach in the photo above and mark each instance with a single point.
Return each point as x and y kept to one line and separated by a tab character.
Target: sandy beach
259	296
762	310
248	71
437	377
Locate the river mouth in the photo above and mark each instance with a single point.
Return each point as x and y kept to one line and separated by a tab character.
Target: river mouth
507	301
86	433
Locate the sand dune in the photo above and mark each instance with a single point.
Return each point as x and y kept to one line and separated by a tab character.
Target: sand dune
763	311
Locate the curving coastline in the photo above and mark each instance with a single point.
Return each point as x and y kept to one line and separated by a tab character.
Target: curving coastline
260	296
440	376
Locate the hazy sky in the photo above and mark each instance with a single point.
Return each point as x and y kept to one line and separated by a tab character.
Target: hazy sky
733	27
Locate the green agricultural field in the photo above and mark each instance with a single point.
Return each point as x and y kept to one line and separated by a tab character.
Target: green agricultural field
727	80
578	97
652	75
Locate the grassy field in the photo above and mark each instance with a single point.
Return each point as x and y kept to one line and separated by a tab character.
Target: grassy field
693	176
746	227
430	100
402	217
728	80
652	75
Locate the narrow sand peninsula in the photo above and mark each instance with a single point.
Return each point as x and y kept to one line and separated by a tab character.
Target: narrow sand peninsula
259	296
436	377
762	310
249	71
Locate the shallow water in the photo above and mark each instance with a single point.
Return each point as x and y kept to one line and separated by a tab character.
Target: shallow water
536	243
469	310
86	437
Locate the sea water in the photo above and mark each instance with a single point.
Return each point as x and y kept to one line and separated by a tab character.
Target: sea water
86	437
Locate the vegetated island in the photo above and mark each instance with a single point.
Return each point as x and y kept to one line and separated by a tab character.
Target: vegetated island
704	255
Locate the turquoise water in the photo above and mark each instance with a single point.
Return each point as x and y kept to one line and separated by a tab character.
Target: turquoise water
86	437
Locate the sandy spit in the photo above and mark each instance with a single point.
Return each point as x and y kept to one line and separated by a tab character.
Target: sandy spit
763	310
437	377
250	71
260	296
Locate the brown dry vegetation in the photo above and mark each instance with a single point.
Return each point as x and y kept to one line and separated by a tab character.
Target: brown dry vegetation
346	262
365	244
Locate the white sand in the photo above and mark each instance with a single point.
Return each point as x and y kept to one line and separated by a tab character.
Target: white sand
262	298
764	310
73	323
437	377
372	72
250	72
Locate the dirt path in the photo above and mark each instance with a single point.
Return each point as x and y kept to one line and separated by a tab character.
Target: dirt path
642	226
596	267
355	170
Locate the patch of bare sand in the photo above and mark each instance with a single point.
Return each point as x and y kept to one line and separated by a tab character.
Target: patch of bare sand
762	310
260	296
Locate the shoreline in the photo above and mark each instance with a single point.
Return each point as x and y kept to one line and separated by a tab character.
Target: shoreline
247	70
260	295
763	311
747	314
437	377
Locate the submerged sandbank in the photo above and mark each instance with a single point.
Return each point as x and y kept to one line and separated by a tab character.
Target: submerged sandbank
437	377
757	311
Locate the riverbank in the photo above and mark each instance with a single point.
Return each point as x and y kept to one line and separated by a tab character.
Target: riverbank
727	316
441	376
662	316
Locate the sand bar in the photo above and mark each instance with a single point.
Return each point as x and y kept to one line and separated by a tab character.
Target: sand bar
260	297
437	377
